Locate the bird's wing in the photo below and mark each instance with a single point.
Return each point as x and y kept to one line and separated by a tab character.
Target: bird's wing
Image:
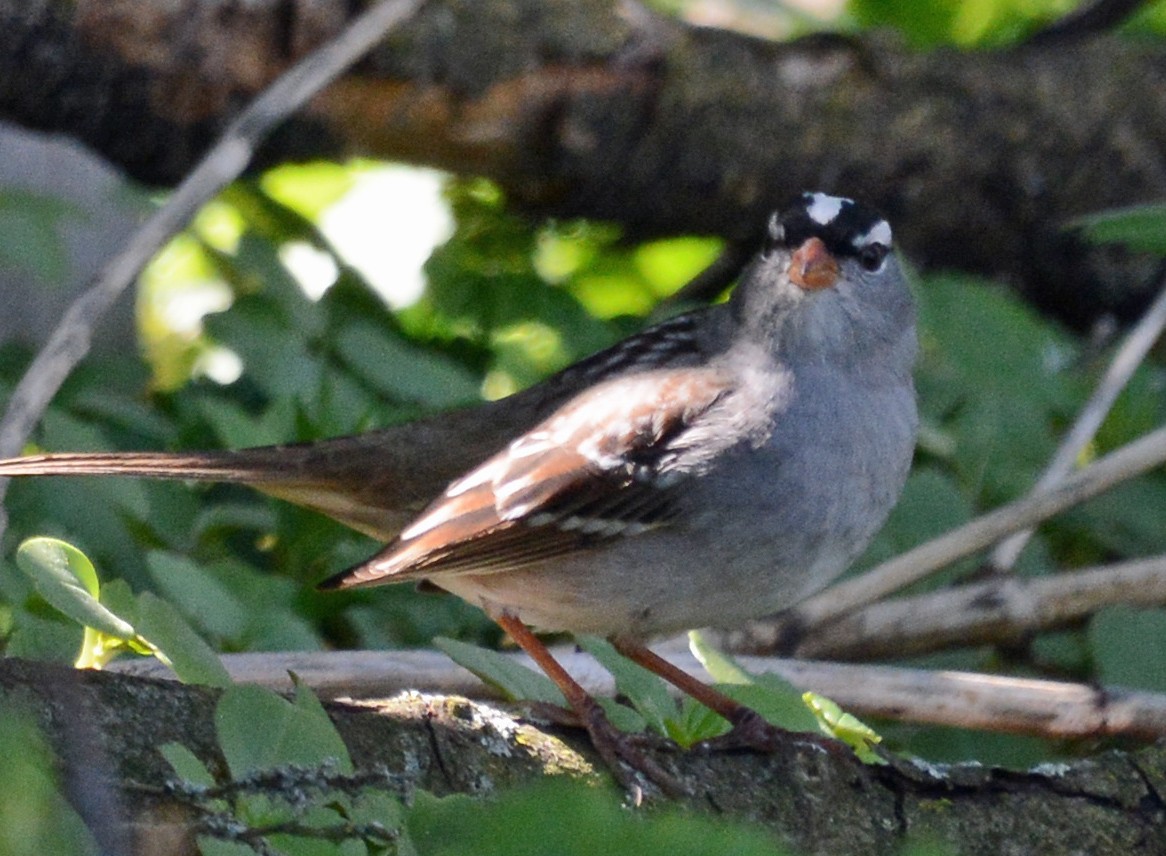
600	467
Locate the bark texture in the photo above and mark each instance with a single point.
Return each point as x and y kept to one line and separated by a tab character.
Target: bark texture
597	108
106	729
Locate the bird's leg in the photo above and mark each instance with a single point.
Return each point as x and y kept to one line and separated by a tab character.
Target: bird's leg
619	750
750	729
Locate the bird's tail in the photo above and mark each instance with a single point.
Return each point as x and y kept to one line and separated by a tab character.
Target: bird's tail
252	466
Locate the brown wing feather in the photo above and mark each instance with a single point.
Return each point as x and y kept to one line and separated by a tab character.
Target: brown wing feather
586	474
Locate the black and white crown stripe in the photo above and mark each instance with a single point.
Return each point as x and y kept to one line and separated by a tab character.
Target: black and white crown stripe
848	229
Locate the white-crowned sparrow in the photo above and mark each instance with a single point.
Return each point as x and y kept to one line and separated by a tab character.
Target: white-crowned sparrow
714	468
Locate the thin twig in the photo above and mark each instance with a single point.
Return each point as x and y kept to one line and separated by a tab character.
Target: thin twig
222	164
1125	463
1125	362
1002	610
1043	708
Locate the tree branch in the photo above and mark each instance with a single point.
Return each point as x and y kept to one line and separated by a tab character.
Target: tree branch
812	801
1125	362
979	158
1002	611
1048	709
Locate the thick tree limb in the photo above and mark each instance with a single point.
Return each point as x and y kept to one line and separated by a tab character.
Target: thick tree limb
814	802
598	108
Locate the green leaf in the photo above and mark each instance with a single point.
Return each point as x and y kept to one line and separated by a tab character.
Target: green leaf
513	680
186	764
31	224
236	427
39	637
1127	520
586	821
191	658
65	577
837	723
623	717
721	667
274	347
403	370
998	380
1127	644
35	817
695	723
646	691
120	599
259	730
1141	227
778	701
376	806
925	23
198	593
931	504
309	706
928	23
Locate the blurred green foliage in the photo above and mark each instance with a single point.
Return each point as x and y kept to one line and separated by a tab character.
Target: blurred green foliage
967	23
982	23
35	818
33	241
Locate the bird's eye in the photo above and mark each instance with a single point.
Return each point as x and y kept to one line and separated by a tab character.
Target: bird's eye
872	255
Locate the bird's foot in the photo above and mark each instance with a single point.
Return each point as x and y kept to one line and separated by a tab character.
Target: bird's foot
624	752
626	755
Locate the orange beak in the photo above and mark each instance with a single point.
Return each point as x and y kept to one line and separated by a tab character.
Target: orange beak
812	267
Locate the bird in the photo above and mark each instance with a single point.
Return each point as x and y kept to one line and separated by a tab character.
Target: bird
714	468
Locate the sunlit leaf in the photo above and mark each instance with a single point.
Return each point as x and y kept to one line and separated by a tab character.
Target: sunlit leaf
65	577
837	723
777	700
